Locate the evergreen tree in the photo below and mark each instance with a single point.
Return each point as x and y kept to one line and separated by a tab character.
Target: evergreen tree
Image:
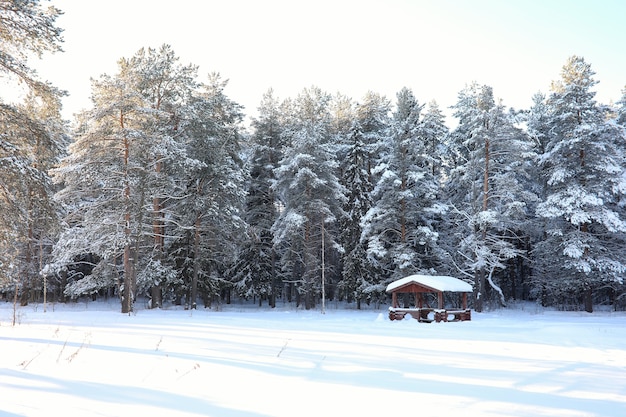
373	115
27	29
434	131
486	188
583	167
122	165
357	282
165	87
311	194
32	138
621	109
210	209
360	279
400	228
256	272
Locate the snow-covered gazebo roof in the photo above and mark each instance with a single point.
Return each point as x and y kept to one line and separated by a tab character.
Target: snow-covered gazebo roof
440	283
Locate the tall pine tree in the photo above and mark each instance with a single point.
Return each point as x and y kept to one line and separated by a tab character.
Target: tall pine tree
32	138
489	161
400	229
312	196
583	167
257	273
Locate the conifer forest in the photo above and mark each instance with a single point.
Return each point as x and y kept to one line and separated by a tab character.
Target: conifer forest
161	192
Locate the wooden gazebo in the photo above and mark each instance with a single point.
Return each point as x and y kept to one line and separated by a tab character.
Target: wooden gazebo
418	285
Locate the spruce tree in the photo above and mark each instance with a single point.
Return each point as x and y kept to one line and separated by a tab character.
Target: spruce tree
209	209
256	272
358	281
312	196
583	167
400	228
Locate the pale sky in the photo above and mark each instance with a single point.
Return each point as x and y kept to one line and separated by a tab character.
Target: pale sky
434	47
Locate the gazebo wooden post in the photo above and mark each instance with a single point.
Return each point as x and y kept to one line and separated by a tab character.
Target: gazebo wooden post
394	299
464	297
421	300
440	299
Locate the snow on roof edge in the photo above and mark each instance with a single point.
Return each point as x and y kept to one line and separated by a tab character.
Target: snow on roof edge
439	283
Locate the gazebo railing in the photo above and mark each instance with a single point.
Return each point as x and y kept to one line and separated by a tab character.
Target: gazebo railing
428	315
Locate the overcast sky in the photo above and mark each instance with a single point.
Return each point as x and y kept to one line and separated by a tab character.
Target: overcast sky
435	47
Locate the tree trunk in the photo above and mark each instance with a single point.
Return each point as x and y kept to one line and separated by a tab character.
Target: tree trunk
588	299
129	282
127	293
196	264
158	229
479	290
274	289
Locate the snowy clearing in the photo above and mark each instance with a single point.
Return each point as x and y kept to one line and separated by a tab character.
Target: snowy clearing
90	360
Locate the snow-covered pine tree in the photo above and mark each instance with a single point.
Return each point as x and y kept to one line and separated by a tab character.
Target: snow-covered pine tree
104	183
400	228
27	30
621	109
356	273
209	210
126	156
486	190
374	116
256	273
359	279
49	145
31	140
583	166
311	195
434	131
165	87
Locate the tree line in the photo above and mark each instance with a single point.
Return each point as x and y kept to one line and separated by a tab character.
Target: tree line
159	191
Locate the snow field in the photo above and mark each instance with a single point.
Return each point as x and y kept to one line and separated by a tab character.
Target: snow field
90	360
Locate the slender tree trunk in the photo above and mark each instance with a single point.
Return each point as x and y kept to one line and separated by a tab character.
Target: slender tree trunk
45	280
158	230
129	284
486	177
127	293
274	289
480	284
26	279
196	263
323	276
403	214
588	299
588	290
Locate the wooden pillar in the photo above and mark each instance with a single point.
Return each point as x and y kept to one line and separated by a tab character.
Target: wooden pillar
440	299
420	300
464	297
394	299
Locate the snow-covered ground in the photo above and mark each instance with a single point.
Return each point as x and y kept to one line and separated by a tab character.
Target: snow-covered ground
90	360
